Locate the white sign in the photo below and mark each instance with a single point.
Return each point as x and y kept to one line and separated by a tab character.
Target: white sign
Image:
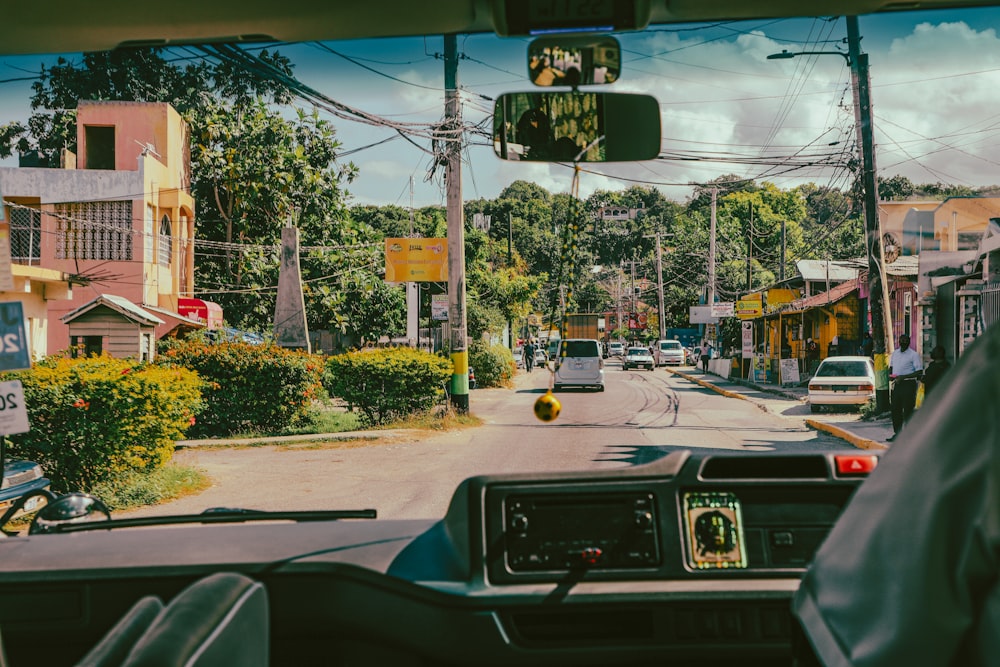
439	307
724	309
702	315
789	371
747	339
13	413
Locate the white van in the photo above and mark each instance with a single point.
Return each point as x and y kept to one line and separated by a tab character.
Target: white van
579	364
670	353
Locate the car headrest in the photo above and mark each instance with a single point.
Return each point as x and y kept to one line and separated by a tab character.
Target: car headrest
112	650
219	621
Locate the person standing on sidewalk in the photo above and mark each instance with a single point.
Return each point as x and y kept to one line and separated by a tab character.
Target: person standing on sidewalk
938	366
706	354
905	369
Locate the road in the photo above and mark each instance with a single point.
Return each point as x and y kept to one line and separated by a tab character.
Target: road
641	417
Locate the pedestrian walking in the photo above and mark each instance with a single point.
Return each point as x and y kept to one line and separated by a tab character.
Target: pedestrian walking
905	369
529	356
706	354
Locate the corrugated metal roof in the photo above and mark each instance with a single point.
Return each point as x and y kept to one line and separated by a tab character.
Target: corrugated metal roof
118	304
816	269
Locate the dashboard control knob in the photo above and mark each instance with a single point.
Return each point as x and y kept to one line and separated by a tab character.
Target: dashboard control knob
643	519
519	523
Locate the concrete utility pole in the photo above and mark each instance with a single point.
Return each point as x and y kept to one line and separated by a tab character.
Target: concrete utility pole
456	229
661	320
878	291
711	249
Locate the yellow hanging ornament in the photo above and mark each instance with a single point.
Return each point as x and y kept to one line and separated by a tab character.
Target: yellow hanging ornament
547	407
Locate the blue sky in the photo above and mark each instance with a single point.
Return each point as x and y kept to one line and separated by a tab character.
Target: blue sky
725	107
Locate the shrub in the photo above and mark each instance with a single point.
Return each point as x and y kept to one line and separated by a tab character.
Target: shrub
97	418
388	384
494	364
250	388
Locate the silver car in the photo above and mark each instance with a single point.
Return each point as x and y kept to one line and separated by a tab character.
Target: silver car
579	364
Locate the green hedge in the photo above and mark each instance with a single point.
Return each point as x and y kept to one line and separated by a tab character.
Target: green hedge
388	384
250	388
94	419
494	364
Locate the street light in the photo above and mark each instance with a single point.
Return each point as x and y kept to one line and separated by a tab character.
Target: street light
786	55
878	297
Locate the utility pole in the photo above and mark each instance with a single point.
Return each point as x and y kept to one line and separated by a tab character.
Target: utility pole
661	320
456	229
878	296
711	249
510	264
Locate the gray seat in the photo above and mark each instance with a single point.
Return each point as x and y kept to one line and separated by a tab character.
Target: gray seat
112	650
222	620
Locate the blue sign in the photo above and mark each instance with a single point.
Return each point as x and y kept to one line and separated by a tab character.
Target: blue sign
14	352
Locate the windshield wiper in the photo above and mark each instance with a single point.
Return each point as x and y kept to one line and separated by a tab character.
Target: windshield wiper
217	515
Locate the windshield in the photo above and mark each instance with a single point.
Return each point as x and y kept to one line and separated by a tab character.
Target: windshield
264	267
344	141
303	201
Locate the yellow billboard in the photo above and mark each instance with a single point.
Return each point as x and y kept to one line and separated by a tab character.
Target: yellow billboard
749	307
416	260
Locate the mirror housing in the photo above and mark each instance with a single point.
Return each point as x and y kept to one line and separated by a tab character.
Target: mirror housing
71	508
576	127
574	61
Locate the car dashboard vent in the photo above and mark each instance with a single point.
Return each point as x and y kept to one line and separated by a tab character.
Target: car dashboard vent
765	467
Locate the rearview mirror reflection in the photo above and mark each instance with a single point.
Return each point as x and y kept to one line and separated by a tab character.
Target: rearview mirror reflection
576	127
574	61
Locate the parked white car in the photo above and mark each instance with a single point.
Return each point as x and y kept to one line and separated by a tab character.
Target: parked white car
842	381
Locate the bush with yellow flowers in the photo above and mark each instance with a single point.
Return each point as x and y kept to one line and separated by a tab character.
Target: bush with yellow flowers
93	419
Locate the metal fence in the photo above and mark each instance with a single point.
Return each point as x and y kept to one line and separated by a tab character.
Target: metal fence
990	304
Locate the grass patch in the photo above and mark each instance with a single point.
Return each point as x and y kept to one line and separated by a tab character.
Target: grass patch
445	421
141	489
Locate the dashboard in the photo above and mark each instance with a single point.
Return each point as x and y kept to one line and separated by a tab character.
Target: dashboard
691	559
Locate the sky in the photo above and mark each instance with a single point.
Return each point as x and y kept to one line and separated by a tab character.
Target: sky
725	108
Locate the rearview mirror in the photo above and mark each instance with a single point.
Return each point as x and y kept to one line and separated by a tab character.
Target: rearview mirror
576	127
574	61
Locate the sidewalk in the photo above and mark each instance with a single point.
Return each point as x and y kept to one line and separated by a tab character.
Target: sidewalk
792	401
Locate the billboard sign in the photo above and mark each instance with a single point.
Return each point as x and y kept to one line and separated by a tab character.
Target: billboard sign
702	315
416	260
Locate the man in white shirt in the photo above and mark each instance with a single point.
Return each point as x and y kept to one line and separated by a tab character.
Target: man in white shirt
905	369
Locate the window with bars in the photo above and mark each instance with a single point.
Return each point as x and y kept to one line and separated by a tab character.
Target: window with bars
94	230
25	235
165	242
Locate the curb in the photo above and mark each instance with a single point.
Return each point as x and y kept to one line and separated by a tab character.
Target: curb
856	440
835	431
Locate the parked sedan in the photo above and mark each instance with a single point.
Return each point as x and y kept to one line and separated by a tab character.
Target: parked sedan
842	381
638	357
518	357
20	478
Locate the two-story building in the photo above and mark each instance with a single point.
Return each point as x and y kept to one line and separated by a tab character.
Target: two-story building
116	218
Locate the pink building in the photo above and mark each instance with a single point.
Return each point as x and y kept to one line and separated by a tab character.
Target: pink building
116	218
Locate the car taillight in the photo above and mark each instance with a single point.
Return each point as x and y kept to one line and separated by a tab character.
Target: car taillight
866	387
821	387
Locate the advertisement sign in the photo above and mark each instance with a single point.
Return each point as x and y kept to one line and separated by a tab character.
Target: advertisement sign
702	315
637	321
723	309
13	413
747	347
750	306
14	352
439	307
416	260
